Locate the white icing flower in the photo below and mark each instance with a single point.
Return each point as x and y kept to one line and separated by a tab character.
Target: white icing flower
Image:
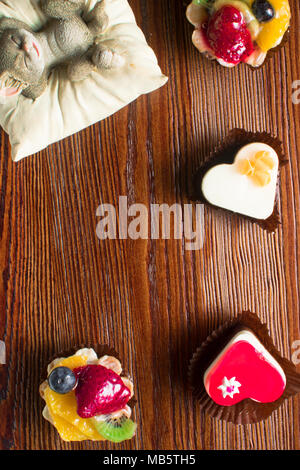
229	387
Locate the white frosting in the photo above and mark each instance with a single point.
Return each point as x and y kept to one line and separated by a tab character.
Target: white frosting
224	186
249	337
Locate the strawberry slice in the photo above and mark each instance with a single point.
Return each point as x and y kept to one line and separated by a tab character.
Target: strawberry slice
99	391
228	36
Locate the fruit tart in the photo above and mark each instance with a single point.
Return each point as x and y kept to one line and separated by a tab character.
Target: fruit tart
235	31
88	398
237	375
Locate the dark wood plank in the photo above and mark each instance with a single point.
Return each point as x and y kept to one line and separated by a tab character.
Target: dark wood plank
150	299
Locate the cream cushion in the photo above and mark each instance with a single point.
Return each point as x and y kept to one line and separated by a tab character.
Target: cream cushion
67	107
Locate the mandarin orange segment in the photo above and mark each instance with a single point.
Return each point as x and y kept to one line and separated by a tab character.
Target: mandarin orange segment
65	406
272	31
258	168
245	167
66	431
72	362
262	178
263	161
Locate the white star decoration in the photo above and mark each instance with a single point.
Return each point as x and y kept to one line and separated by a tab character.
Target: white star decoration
229	387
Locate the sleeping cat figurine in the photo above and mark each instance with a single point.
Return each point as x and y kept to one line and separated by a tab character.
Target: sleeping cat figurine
27	57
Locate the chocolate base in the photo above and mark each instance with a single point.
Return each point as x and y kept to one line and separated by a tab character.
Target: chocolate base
226	153
246	411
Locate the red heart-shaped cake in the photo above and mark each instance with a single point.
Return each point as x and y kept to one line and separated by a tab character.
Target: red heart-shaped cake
99	391
244	369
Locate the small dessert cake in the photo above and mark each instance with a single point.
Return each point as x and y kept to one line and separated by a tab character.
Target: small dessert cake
235	31
87	398
242	177
240	366
237	374
248	185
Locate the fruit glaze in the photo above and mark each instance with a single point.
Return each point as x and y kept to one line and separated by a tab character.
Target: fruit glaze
235	31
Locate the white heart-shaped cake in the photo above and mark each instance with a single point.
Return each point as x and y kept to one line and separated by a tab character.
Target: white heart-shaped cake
248	185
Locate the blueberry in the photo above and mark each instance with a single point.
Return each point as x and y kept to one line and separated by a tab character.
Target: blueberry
263	10
62	380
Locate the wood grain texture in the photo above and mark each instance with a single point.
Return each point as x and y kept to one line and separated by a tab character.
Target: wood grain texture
150	299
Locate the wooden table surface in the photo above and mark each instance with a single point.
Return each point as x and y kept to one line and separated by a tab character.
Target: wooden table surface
152	300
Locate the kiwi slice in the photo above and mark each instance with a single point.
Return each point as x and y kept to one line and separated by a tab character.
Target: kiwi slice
203	3
115	429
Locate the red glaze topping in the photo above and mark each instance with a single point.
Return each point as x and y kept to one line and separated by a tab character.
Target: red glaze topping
243	372
227	35
99	391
